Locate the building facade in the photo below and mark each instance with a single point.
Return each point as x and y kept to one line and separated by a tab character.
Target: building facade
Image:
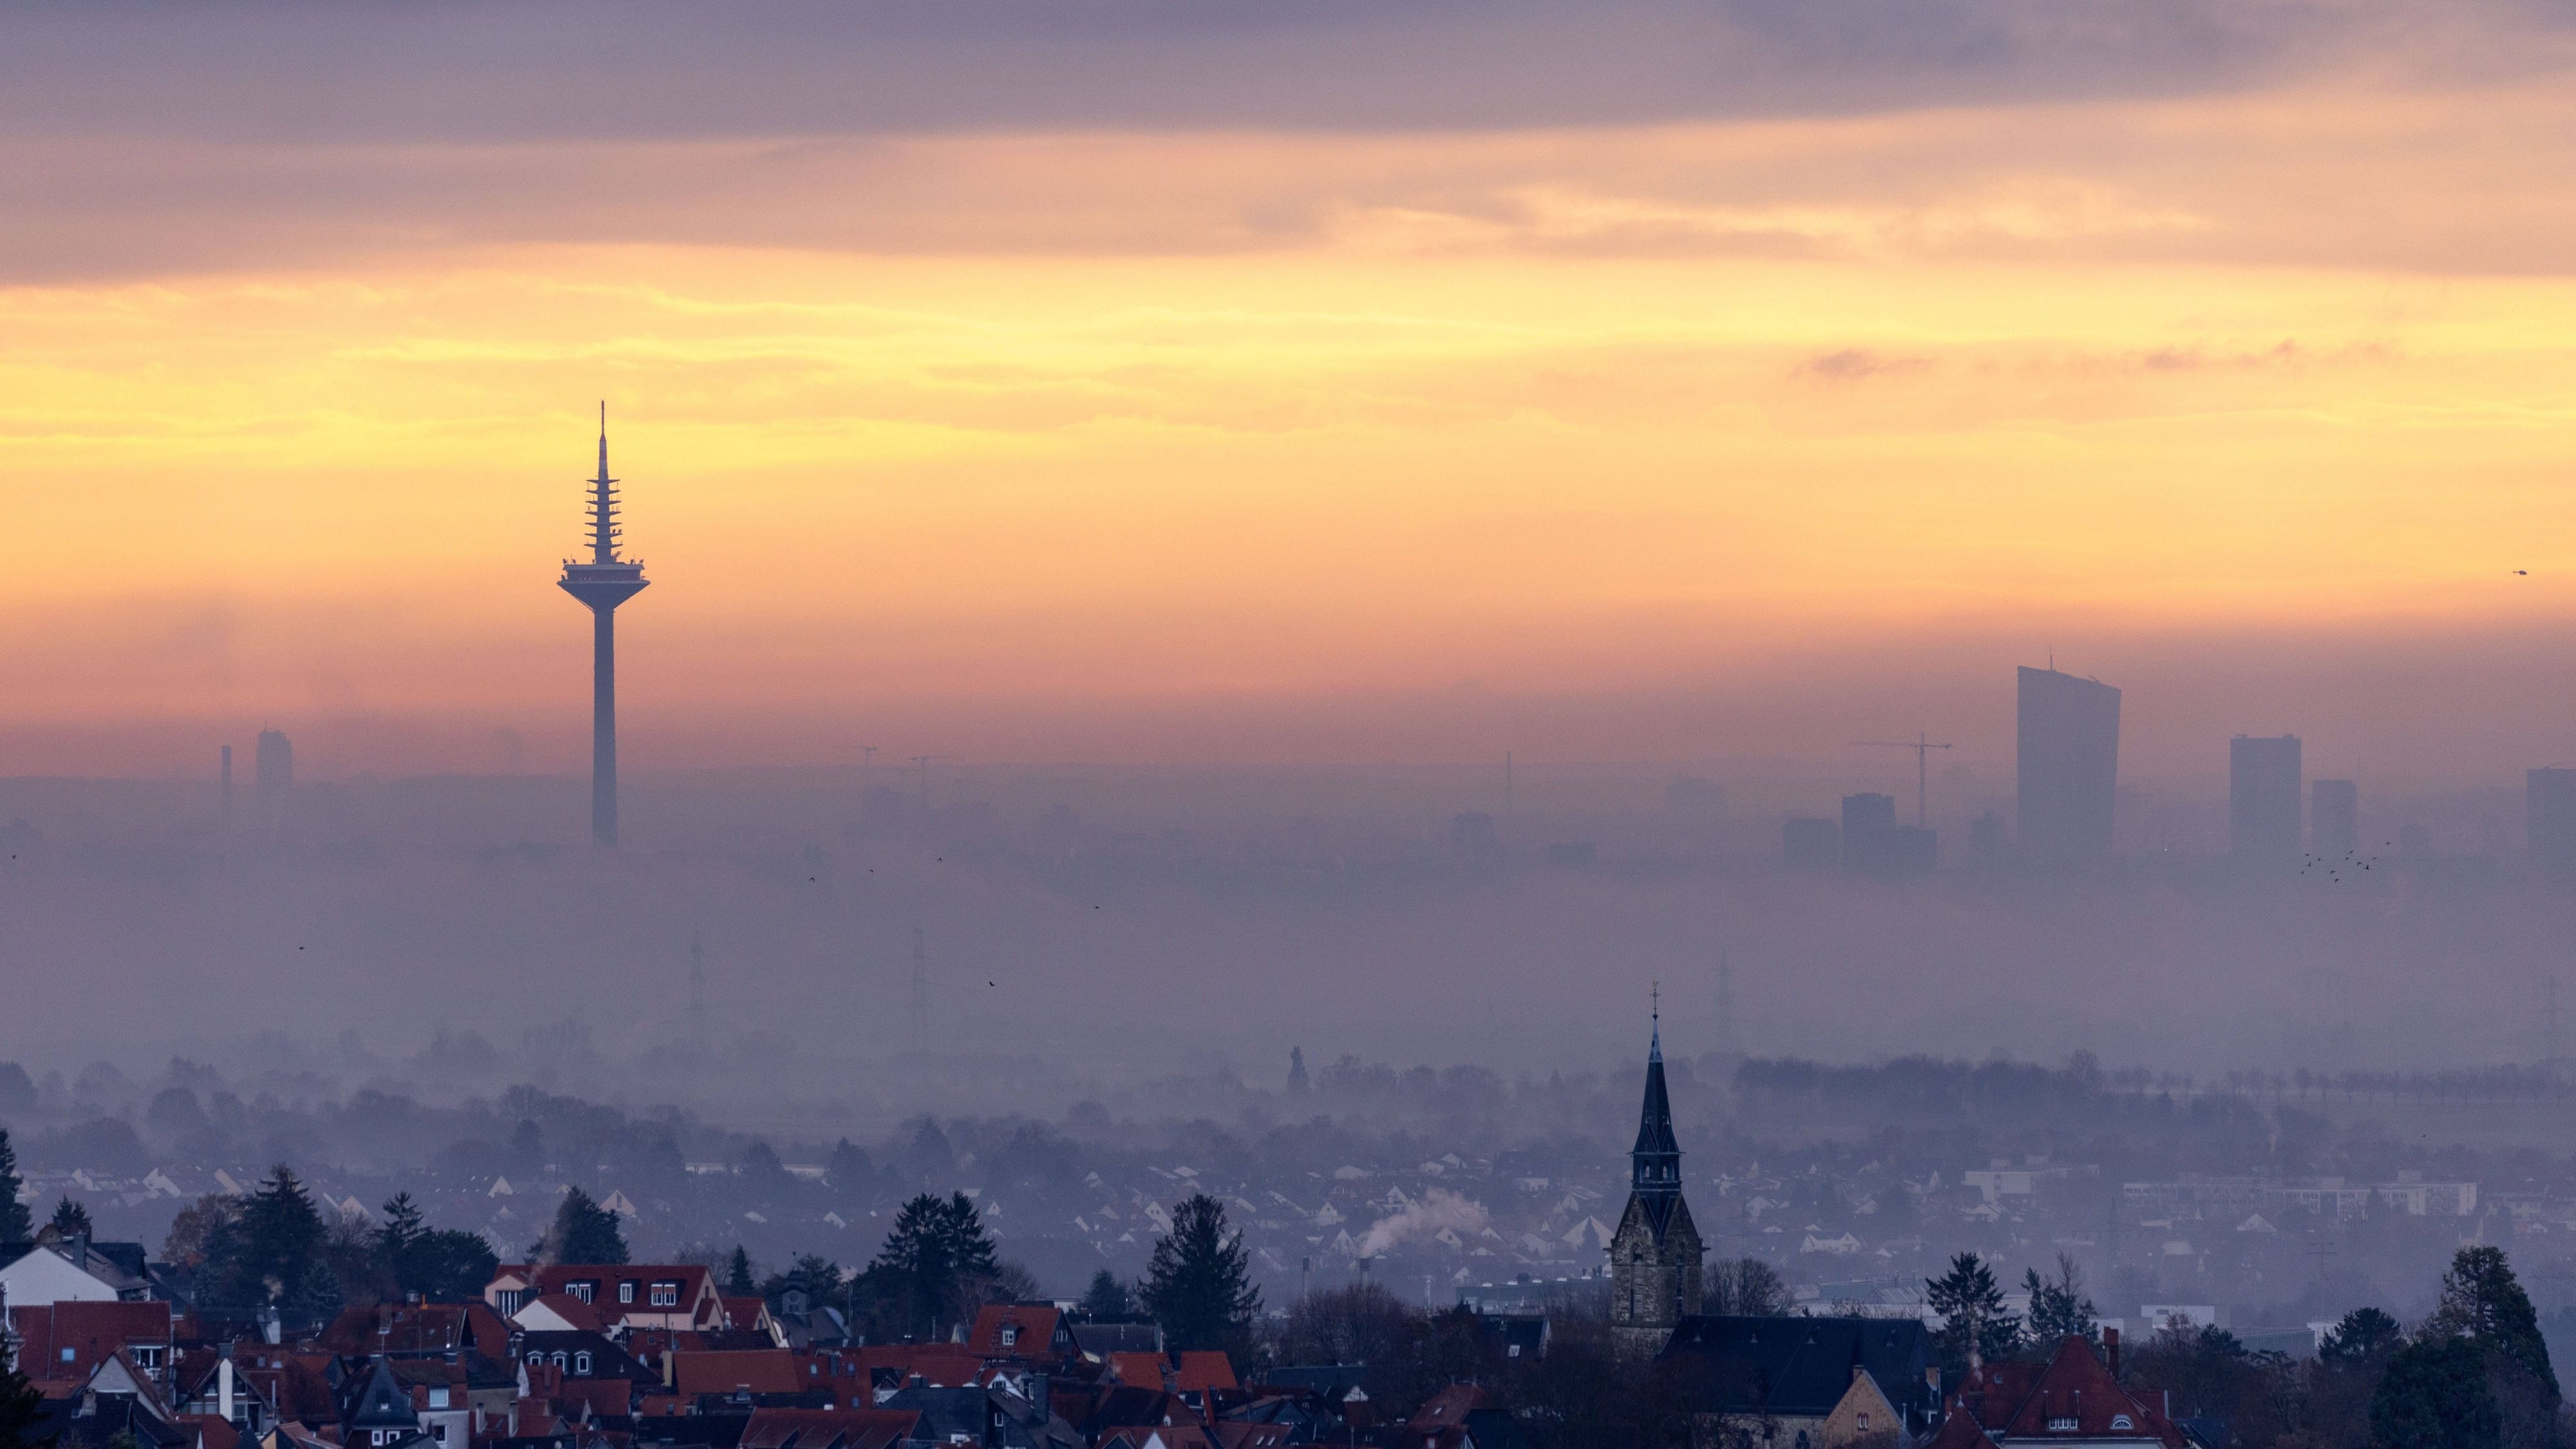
2066	767
2263	799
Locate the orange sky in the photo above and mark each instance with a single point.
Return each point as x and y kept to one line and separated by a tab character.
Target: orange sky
977	431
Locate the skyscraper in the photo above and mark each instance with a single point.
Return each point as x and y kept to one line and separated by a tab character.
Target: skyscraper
603	583
2066	767
1869	833
2334	818
273	768
2263	799
2549	826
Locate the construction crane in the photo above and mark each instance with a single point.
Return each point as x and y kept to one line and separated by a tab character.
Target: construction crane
1922	746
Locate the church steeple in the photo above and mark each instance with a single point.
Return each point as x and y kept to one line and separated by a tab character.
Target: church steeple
1655	1163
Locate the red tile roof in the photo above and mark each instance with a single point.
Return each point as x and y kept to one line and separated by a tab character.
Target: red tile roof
1203	1369
91	1332
763	1371
2072	1396
1034	1324
827	1428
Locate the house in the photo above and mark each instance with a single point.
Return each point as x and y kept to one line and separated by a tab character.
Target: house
418	1328
754	1371
558	1313
828	1428
71	1339
114	1402
679	1296
1020	1331
375	1410
69	1272
1461	1416
2074	1401
1787	1378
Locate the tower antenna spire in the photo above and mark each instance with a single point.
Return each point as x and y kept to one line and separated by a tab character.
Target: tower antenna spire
603	583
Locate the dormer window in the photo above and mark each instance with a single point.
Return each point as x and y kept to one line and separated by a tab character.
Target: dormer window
626	1291
2061	1423
581	1364
1010	1334
666	1295
584	1292
2121	1421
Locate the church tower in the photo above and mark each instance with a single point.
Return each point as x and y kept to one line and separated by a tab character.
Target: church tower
1654	1257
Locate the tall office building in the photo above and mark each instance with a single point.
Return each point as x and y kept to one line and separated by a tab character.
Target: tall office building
273	768
2549	825
2263	799
2334	818
1869	833
2066	767
603	583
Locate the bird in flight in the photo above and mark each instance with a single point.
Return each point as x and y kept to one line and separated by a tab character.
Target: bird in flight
2522	571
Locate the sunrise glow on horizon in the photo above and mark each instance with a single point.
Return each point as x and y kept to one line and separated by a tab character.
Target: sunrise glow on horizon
1031	419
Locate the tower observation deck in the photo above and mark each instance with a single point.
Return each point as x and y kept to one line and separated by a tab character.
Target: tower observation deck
603	582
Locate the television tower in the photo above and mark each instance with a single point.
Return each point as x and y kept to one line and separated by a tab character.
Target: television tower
603	583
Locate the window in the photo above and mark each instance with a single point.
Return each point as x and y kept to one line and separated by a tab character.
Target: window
626	1291
585	1291
1515	1352
2061	1423
438	1396
509	1302
1864	1423
438	1432
1010	1334
2121	1421
666	1295
581	1364
559	1358
67	1355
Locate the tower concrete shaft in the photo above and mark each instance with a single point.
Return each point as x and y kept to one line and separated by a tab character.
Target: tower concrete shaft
603	583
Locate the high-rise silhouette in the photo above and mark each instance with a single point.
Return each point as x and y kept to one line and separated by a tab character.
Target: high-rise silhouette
603	583
2067	767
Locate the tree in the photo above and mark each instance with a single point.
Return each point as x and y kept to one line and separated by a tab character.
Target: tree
2059	1308
2363	1338
2482	1301
919	1278
402	1228
71	1219
1199	1283
1972	1313
2435	1395
849	1170
583	1232
449	1266
17	1225
1298	1085
1746	1288
314	1297
279	1233
1362	1323
738	1282
22	1411
1106	1300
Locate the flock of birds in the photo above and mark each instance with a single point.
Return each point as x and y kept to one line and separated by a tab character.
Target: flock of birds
2352	860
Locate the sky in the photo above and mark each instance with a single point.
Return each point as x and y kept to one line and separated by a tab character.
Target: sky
1139	380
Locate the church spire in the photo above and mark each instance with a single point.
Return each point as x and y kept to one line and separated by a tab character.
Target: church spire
1655	1163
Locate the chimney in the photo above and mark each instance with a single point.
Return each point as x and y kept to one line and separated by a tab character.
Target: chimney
2111	1351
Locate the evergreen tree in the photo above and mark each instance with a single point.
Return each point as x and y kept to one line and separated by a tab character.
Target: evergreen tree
1298	1085
2059	1308
448	1266
2435	1395
1972	1313
584	1232
1106	1300
71	1219
935	1250
279	1233
2482	1301
400	1234
22	1409
2363	1338
738	1282
1199	1282
849	1170
314	1298
17	1225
